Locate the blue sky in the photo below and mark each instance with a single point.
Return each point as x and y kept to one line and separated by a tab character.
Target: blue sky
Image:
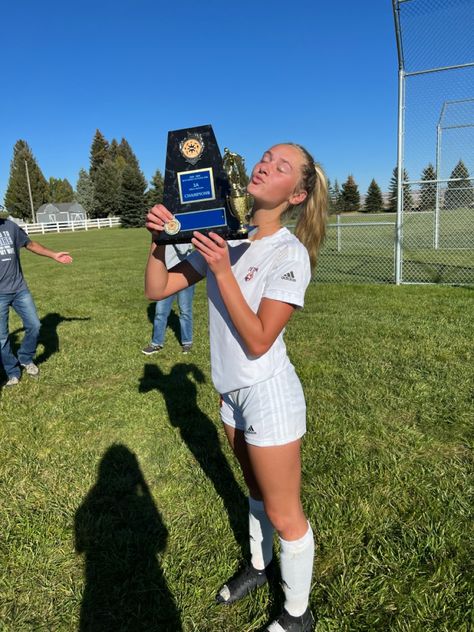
320	73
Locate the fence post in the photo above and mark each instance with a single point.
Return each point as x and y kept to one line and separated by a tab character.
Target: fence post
98	222
72	226
338	221
110	222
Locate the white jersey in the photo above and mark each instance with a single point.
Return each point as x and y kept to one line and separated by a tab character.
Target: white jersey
175	253
275	267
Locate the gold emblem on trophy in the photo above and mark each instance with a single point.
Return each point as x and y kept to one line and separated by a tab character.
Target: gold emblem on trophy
239	200
191	148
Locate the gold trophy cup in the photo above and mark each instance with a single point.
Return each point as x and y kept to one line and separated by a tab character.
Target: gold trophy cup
239	200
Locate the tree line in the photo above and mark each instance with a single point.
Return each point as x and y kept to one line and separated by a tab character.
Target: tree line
114	185
459	193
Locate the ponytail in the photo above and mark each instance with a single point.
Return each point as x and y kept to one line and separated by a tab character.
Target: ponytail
311	225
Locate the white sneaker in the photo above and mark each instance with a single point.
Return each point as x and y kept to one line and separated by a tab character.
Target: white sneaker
31	369
13	381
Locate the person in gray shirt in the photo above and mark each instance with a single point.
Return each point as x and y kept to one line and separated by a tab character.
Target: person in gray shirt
14	293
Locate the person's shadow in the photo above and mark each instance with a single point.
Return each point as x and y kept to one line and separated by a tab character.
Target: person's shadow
200	435
48	335
119	531
173	319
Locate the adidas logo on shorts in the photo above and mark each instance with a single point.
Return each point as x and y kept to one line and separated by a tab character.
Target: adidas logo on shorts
250	430
289	276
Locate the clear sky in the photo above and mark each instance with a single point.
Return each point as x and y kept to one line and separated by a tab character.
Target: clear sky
320	73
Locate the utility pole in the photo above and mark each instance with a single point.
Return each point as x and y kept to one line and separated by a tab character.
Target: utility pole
29	191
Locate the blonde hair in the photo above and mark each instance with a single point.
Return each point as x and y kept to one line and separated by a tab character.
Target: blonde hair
312	212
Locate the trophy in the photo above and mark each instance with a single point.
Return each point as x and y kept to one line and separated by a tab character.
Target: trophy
203	192
239	200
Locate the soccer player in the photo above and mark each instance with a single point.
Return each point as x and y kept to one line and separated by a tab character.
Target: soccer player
254	286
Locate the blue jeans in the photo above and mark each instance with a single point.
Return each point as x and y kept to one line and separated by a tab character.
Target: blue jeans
23	304
162	311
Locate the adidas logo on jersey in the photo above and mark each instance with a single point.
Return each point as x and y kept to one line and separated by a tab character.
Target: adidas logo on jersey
250	430
289	276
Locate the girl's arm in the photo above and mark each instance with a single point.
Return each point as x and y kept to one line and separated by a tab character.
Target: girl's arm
257	330
159	282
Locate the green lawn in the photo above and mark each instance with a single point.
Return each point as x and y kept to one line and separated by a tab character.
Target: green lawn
121	503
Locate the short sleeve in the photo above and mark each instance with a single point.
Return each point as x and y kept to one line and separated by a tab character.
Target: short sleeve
198	262
290	277
21	238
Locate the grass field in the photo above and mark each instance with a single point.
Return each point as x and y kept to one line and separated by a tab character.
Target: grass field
123	509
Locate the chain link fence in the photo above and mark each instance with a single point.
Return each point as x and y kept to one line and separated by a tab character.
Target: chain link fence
436	141
431	237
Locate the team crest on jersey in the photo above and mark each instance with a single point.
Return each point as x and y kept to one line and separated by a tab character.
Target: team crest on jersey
250	274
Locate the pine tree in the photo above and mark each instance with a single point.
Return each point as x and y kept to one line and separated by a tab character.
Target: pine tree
113	149
60	190
99	153
393	193
132	197
374	199
336	196
428	190
350	196
125	151
154	195
106	190
459	193
17	199
85	191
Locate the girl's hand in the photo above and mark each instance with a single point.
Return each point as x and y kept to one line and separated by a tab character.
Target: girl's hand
215	251
157	217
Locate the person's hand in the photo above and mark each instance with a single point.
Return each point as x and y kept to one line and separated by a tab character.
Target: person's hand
63	257
215	251
156	218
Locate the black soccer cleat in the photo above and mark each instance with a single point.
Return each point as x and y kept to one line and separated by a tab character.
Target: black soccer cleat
246	580
286	622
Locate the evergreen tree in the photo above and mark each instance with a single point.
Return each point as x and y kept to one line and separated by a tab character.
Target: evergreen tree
154	195
350	196
132	197
428	190
125	151
113	150
459	193
106	190
85	191
374	199
17	198
60	190
393	192
336	196
99	153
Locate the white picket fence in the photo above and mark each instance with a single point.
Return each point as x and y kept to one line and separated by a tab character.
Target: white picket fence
59	227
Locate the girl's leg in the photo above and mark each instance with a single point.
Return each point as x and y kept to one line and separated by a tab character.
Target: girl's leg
277	470
260	530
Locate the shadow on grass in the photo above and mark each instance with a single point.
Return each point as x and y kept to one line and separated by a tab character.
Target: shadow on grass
173	320
48	335
119	531
200	435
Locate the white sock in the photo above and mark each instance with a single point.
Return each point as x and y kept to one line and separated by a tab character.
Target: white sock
296	559
261	535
